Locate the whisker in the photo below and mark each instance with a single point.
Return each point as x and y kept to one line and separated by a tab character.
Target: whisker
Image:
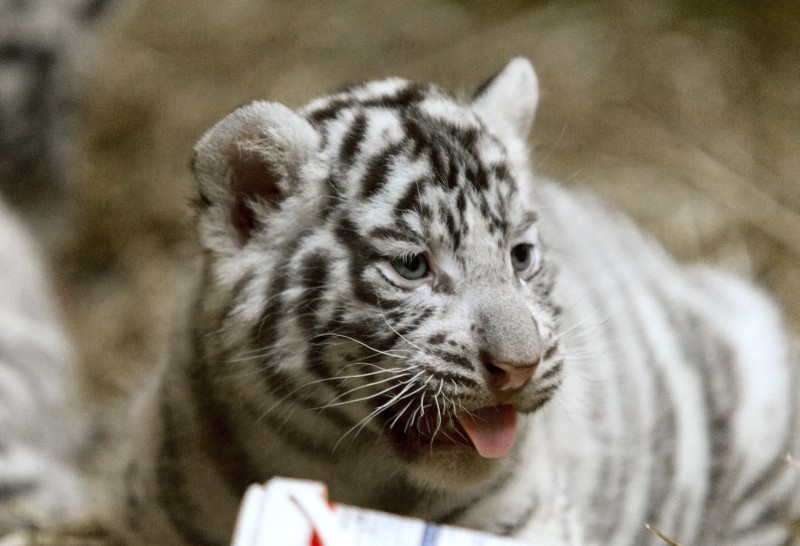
362	399
363	422
393	422
334	402
354	340
417	347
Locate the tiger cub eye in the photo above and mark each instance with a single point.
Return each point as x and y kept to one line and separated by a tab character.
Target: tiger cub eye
413	267
525	259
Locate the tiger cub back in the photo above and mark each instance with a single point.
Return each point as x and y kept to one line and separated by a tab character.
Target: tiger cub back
39	432
389	301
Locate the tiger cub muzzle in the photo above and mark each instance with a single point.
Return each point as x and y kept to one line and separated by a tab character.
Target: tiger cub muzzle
479	413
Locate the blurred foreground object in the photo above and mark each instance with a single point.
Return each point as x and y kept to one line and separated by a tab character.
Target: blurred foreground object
39	430
297	513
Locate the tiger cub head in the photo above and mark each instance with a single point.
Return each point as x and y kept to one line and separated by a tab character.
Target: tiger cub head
374	257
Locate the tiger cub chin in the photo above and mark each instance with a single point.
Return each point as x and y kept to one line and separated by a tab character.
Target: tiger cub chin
389	301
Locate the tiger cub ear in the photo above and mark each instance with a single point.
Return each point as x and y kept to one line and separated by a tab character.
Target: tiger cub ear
247	164
507	101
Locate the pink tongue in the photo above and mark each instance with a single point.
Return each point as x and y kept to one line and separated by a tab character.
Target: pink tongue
491	429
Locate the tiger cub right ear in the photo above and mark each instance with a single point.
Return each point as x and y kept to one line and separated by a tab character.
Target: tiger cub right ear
245	165
507	101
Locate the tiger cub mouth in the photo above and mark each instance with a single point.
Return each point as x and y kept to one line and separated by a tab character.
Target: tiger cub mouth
489	431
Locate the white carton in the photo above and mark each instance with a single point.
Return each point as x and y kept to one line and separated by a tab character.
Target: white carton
285	512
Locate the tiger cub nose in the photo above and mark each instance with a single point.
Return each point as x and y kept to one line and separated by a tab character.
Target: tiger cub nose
506	376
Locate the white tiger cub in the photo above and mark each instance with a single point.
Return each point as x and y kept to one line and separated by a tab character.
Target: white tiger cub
390	302
38	483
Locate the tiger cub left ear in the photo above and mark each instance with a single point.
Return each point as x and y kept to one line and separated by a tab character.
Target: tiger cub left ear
507	101
246	165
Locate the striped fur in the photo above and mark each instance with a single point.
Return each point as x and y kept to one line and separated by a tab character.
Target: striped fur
660	394
38	433
44	47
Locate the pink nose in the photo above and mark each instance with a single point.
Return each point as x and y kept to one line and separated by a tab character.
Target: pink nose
508	376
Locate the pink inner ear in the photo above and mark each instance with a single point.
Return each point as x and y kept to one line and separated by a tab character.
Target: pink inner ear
253	179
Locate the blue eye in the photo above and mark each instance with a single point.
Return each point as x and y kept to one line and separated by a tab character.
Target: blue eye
525	259
413	267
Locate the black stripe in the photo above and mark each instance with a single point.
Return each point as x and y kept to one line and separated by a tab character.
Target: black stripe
352	139
390	281
513	527
662	443
237	295
378	168
315	358
15	488
319	366
410	199
451	177
547	391
762	486
770	479
407	97
454	358
706	352
134	501
219	438
502	174
445	285
554	370
390	233
463	380
419	135
467	136
542	399
331	197
265	334
608	486
444	165
551	350
362	255
171	493
478	177
404	97
381	339
496	223
710	355
283	386
461	202
202	201
330	110
406	329
452	225
313	272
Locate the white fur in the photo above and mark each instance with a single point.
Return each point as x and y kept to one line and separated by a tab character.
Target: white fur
39	432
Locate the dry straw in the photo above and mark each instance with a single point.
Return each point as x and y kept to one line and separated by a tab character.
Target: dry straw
661	535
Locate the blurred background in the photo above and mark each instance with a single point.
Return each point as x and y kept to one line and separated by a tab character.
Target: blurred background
686	115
